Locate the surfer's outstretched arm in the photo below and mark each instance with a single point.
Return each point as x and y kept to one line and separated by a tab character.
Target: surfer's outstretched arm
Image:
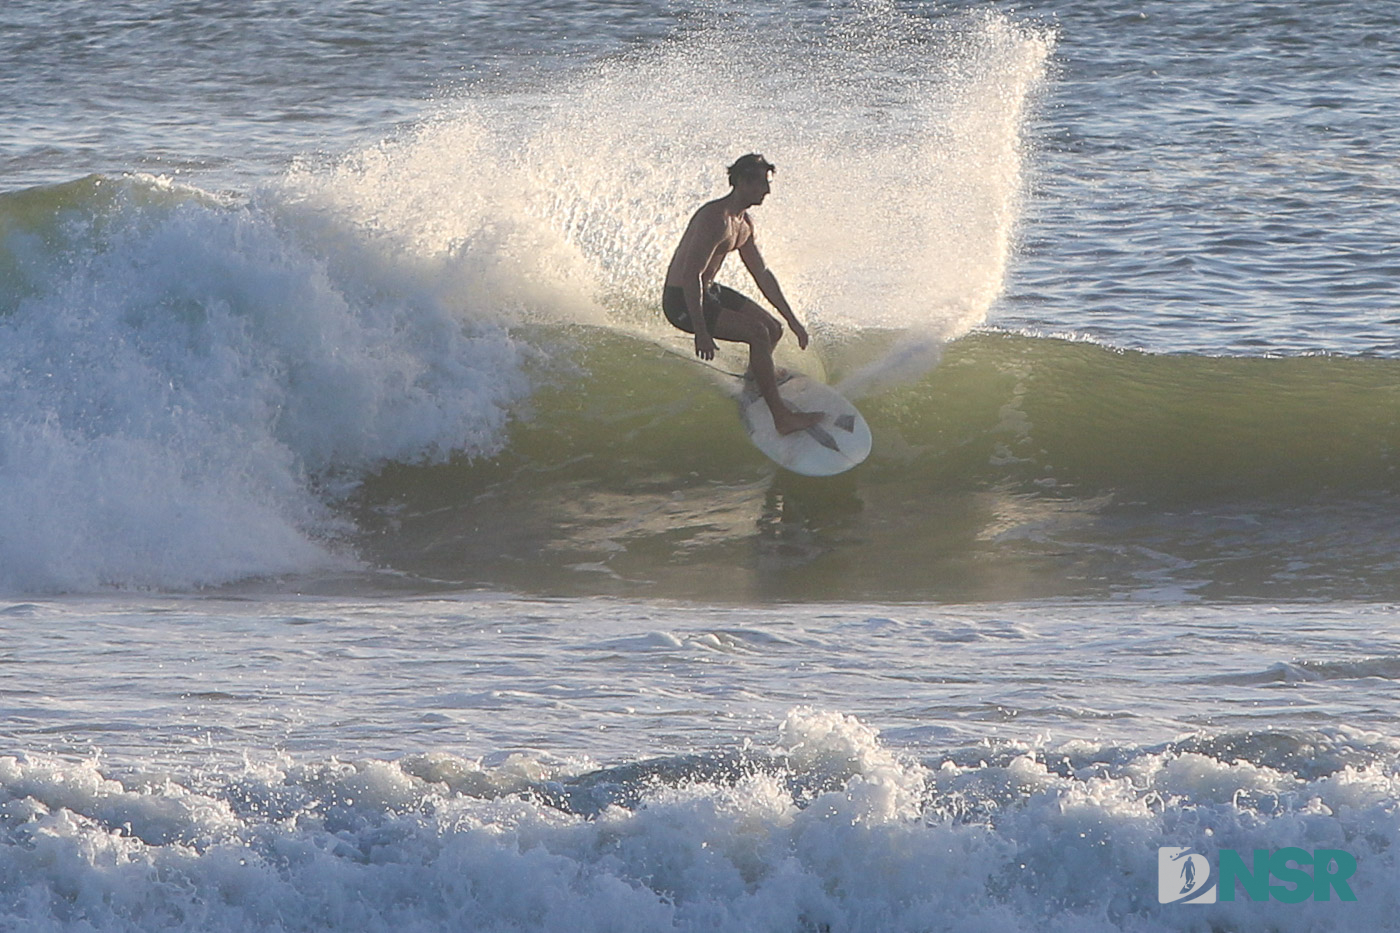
767	283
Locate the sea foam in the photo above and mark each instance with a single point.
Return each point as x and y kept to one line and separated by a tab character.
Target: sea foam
187	380
826	829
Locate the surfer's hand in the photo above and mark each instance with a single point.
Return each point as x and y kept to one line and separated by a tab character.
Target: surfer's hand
800	333
705	346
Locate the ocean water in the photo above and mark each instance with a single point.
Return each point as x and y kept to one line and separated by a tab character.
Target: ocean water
373	557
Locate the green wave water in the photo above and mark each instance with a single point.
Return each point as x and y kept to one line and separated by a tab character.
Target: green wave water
1021	467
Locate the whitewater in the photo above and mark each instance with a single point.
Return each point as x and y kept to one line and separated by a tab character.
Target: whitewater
373	557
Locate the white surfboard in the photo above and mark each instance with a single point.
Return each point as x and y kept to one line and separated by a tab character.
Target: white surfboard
834	445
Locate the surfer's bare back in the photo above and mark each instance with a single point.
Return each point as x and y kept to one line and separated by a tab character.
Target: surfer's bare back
698	305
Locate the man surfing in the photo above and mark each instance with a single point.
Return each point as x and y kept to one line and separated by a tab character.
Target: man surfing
698	305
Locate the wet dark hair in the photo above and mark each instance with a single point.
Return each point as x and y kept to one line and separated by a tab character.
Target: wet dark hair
750	166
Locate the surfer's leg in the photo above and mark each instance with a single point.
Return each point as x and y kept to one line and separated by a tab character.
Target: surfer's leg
737	301
737	326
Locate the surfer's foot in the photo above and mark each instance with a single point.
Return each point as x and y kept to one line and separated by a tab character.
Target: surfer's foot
789	422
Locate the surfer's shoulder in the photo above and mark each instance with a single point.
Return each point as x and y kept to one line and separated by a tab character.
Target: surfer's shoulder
709	216
713	208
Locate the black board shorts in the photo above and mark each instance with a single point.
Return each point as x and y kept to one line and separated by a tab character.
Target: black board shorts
716	298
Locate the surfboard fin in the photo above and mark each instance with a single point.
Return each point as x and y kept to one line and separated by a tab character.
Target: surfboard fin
823	438
846	423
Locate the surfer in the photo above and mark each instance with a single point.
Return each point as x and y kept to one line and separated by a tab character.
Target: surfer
697	304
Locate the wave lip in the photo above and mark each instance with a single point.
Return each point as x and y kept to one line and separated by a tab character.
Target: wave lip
190	382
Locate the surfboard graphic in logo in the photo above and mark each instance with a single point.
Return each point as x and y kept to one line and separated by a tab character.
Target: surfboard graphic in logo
1184	876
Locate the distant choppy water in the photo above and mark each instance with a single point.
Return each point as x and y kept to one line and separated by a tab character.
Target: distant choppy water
1219	178
374	560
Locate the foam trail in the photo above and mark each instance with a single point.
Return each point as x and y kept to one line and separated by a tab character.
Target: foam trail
911	356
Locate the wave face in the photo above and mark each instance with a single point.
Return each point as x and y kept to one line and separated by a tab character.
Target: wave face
1021	467
195	382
